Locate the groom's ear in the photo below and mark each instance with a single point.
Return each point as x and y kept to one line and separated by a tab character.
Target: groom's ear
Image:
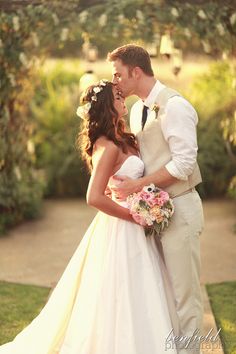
137	72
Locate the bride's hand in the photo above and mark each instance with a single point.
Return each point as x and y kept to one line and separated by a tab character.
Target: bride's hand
108	192
126	187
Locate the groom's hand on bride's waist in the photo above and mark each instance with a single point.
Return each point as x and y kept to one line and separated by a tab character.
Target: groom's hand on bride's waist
125	186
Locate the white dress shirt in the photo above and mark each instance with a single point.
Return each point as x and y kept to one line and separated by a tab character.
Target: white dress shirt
178	126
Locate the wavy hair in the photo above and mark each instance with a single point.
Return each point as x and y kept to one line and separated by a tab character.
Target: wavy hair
102	120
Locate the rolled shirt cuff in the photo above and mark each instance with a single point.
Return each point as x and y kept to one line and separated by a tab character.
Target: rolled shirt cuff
175	172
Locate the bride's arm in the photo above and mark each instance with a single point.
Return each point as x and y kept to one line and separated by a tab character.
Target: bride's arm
104	158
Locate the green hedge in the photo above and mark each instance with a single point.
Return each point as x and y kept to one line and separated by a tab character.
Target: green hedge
53	111
214	96
26	35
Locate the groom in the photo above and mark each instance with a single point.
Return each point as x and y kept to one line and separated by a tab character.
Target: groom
165	126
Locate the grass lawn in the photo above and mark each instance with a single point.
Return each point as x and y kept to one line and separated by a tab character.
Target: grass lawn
19	305
223	302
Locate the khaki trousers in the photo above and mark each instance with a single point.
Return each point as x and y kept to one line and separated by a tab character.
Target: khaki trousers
180	248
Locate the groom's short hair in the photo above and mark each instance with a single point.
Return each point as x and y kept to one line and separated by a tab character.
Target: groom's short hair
132	55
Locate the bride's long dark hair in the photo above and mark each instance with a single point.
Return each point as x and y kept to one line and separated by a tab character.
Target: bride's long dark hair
103	120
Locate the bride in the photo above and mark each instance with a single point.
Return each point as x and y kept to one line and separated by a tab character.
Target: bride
114	296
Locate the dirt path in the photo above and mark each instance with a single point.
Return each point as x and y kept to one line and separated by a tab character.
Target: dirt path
218	242
36	252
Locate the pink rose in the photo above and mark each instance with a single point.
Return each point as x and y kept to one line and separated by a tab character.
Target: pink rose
139	219
147	197
164	196
153	202
158	201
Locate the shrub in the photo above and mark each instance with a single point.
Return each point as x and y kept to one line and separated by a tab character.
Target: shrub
214	96
53	110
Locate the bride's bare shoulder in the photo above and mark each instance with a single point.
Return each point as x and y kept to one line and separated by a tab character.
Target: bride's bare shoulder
105	148
103	143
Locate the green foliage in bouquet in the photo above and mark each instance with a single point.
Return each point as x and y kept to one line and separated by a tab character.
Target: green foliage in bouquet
214	96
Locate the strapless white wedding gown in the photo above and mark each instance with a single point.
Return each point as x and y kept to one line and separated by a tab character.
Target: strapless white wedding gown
111	298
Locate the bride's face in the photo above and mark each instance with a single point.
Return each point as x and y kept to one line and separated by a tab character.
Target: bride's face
119	103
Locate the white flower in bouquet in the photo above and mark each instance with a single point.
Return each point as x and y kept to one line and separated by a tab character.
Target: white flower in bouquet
150	188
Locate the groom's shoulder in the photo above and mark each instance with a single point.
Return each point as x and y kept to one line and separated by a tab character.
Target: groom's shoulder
179	104
180	100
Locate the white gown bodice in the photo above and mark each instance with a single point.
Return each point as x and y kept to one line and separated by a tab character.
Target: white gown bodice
132	167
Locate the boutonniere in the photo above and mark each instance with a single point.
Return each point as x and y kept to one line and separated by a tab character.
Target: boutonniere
156	109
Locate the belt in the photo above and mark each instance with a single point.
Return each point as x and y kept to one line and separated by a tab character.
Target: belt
185	192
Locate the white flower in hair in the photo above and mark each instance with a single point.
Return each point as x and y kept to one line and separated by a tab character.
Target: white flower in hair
82	111
103	82
97	89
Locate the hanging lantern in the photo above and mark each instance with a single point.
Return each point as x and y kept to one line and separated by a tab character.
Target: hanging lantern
166	45
85	45
87	79
92	54
152	47
177	57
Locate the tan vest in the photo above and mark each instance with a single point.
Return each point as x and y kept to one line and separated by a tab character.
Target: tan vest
155	150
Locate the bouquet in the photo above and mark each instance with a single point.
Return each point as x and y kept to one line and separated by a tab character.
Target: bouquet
151	208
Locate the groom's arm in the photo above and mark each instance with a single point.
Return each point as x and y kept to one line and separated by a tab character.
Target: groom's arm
161	178
179	130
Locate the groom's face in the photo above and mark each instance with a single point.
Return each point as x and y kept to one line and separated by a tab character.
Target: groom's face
123	77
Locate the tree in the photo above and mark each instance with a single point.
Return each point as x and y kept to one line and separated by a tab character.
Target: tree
28	31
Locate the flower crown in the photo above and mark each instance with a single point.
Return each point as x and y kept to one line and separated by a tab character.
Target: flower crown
82	111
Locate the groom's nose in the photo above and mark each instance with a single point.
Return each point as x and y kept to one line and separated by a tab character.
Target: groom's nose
114	80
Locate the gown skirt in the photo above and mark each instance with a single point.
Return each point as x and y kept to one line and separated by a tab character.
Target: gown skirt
114	297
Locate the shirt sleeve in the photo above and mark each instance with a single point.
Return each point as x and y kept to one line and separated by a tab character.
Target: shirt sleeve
179	130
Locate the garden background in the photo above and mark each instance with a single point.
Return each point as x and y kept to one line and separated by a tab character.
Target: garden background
44	51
